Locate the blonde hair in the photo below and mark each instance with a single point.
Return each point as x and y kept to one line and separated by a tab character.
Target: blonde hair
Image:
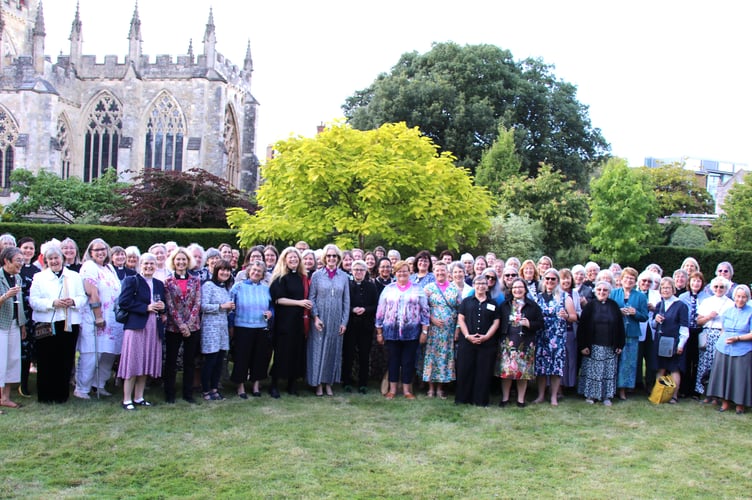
281	269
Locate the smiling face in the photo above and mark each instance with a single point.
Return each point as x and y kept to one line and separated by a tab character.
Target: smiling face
28	250
180	263
148	266
255	273
666	290
458	274
601	292
98	253
440	272
740	298
347	261
54	261
518	289
118	258
309	262
131	261
70	252
385	269
270	258
627	281
160	253
292	260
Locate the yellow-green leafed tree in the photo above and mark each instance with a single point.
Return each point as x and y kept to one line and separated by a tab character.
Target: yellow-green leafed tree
344	185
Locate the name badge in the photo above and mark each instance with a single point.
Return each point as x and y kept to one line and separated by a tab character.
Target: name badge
490	307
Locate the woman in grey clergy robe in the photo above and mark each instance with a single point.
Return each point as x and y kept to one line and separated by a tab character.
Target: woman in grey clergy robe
330	295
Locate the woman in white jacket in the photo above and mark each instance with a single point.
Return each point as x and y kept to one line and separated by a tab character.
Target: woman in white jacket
56	295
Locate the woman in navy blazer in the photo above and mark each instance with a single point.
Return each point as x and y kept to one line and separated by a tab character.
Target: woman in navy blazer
142	297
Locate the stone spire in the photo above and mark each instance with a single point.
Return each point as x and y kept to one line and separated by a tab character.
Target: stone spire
134	39
210	41
76	39
38	35
191	55
248	62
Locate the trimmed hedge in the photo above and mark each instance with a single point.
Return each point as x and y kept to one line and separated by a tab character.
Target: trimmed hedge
142	237
670	259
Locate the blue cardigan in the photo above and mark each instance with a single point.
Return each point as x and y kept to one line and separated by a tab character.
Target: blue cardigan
135	297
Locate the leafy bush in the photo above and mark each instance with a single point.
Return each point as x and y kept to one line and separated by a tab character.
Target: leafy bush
689	235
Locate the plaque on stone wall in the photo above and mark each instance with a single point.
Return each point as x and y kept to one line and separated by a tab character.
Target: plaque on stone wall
194	143
125	143
22	141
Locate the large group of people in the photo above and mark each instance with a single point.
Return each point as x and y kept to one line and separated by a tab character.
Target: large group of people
116	317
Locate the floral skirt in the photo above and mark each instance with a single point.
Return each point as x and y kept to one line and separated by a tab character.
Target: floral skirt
516	364
706	359
598	374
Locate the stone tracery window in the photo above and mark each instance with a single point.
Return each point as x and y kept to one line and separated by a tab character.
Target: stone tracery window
165	131
232	153
63	143
8	136
103	134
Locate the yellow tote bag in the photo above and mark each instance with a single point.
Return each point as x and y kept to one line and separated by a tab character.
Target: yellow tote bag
662	390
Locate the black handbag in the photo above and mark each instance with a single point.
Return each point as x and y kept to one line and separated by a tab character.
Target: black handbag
43	330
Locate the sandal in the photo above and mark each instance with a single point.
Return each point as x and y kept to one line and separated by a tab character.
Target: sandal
673	401
129	406
429	394
441	394
389	395
10	404
216	396
143	402
207	396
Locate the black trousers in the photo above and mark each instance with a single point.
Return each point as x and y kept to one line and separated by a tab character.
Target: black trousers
55	358
475	371
252	351
191	346
358	338
692	356
647	354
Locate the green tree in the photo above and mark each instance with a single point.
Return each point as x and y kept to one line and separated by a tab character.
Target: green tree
516	236
623	213
345	185
190	199
734	227
69	200
689	236
677	191
549	198
499	163
459	96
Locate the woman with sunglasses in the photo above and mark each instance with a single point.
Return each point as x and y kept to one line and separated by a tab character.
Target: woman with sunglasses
551	349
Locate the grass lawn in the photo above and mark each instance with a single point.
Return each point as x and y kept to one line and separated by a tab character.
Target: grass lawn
355	446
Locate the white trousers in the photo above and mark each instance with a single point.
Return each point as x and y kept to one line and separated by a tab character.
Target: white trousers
10	355
87	375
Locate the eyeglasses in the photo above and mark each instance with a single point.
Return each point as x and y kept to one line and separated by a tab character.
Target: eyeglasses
98	249
510	275
716	287
550	278
518	288
480	283
358	270
724	271
491	278
332	256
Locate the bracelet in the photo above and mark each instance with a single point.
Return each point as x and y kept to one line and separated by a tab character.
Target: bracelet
94	305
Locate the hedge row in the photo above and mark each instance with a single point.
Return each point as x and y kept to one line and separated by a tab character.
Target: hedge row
142	237
671	258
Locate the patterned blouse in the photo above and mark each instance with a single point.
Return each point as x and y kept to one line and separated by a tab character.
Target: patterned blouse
401	313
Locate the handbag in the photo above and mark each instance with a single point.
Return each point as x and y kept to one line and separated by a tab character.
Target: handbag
43	330
666	346
663	390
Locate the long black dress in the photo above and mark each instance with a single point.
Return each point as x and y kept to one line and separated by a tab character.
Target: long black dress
289	337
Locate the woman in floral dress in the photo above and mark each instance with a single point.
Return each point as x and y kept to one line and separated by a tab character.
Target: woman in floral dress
521	318
551	348
443	301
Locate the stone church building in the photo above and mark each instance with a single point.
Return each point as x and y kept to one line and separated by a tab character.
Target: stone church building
79	117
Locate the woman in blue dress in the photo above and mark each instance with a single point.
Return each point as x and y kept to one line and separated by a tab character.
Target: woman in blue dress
634	310
551	348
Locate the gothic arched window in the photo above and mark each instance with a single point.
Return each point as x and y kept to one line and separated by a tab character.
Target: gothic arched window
63	144
8	136
231	140
165	130
103	133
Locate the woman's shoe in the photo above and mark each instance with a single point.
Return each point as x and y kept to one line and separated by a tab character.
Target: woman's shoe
429	394
739	409
441	394
143	402
521	405
207	396
129	406
389	395
216	396
503	404
673	401
409	395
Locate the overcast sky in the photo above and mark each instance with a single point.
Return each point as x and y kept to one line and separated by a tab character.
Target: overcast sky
661	78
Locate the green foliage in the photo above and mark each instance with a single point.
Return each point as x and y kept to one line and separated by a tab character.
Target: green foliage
734	227
345	185
670	258
68	200
191	199
689	235
459	96
549	198
677	191
142	237
575	254
623	212
515	235
499	163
